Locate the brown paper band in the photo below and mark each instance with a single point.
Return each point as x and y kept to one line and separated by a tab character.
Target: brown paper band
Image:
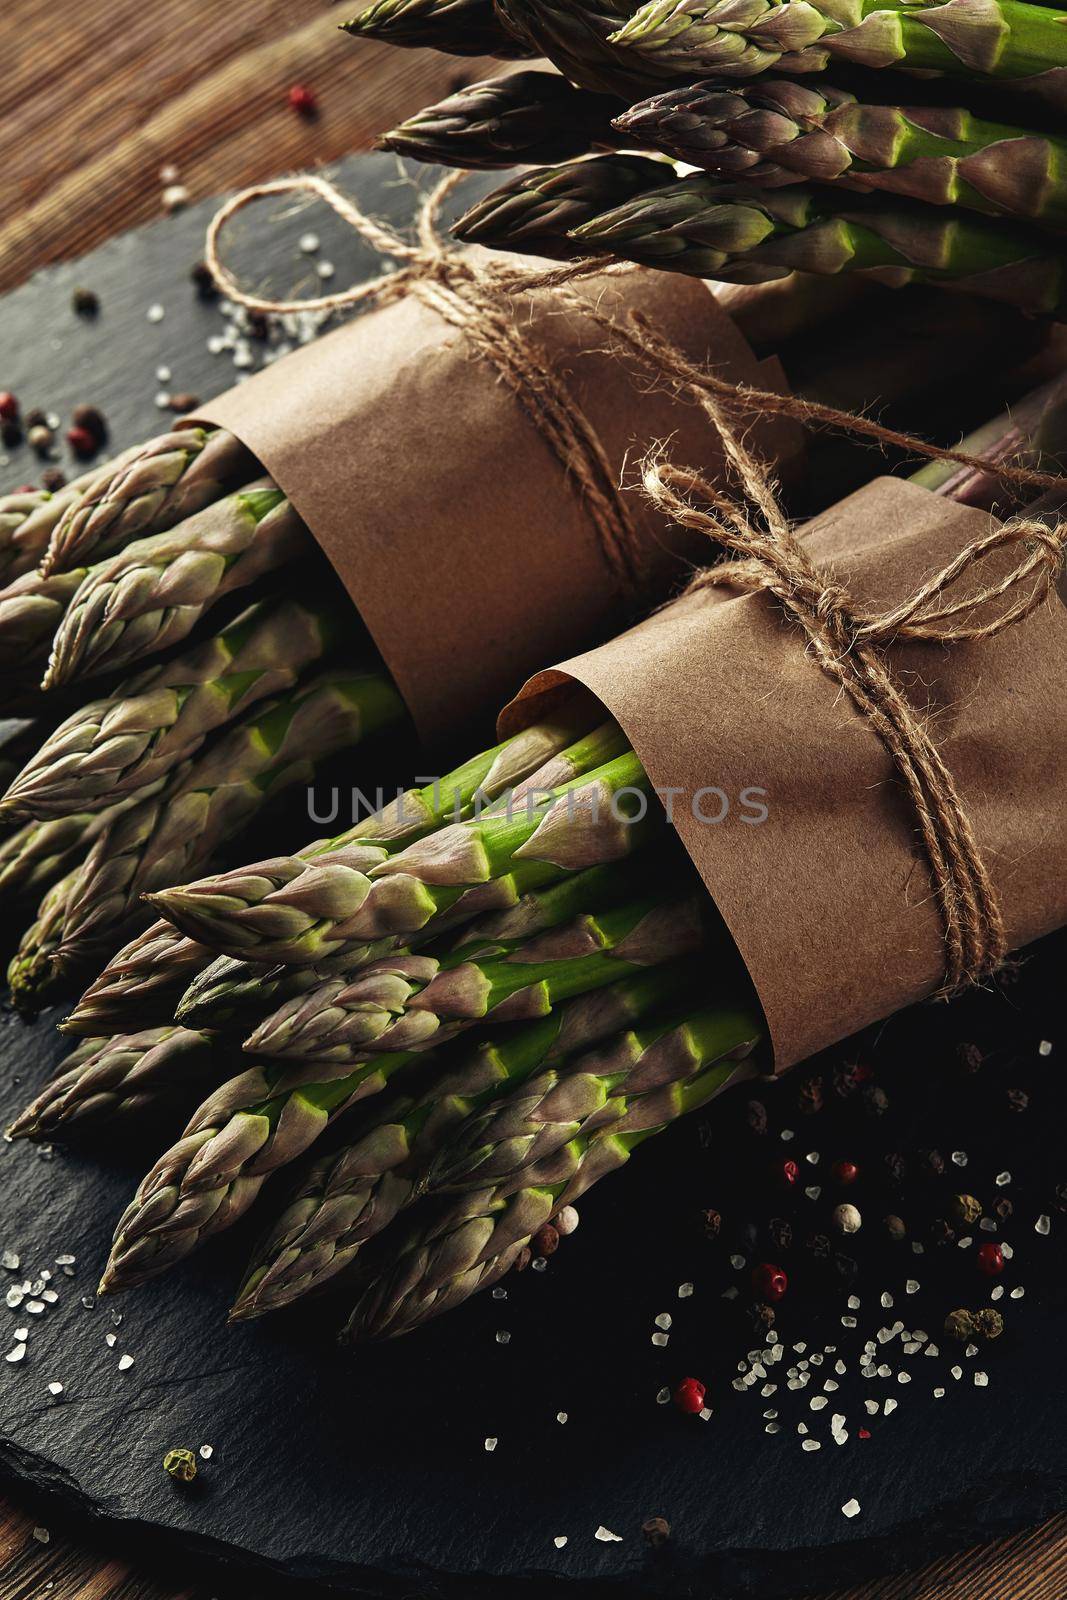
448	516
829	898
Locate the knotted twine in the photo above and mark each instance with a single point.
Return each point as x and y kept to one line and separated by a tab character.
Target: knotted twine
768	557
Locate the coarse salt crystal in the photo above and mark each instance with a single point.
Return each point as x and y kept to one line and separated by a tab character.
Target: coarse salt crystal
1043	1224
16	1353
1002	1178
1017	1294
9	1260
814	1191
663	1397
35	1307
684	1291
848	1322
957	1373
42	1535
998	1292
851	1508
737	1262
663	1320
55	1388
1045	1047
156	313
500	1293
818	1402
812	1158
125	1363
786	1135
981	1380
111	1340
887	1299
491	1444
206	1452
889	1407
912	1286
854	1302
502	1336
773	1427
959	1158
1006	1251
661	1339
309	243
939	1394
810	1444
606	1536
560	1540
903	1377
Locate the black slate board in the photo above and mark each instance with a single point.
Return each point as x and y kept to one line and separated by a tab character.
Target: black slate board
372	1473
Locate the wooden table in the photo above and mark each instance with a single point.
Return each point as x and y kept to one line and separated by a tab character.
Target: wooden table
96	98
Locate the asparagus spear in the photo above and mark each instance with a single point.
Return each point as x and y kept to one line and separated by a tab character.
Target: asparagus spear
269	1115
1003	39
774	132
468	1242
167	836
152	593
293	910
28	520
134	738
37	854
31	609
699	226
538	211
407	1002
147	491
522	116
30	972
142	984
350	1195
574	35
455	27
123	1077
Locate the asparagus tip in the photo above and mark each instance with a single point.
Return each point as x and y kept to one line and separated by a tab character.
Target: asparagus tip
23	1127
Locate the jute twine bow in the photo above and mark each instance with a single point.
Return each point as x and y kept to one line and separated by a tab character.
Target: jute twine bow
768	556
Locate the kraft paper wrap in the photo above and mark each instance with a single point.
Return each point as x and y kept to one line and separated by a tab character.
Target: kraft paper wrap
444	512
830	900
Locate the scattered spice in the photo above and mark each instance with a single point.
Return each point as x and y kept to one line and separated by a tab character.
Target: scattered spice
960	1325
202	281
303	100
53	479
657	1530
40	438
689	1396
966	1209
969	1057
844	1172
182	404
990	1258
988	1323
85	303
180	1465
769	1282
9	406
92	419
847	1219
82	442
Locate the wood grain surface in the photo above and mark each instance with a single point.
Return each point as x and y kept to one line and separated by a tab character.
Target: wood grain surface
96	97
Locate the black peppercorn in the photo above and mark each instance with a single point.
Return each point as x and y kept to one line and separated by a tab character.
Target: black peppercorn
875	1100
1018	1100
203	282
960	1325
756	1116
895	1167
258	326
780	1233
894	1227
810	1097
819	1246
847	1080
85	303
969	1058
760	1317
988	1323
35	418
92	419
657	1530
932	1163
10	431
941	1232
53	479
711	1222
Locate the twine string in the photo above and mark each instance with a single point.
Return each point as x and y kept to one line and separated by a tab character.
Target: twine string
765	553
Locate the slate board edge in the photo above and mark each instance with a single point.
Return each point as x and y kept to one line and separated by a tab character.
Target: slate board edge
673	1571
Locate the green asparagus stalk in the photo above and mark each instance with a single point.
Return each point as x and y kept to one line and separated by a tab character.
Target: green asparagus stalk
265	1118
165	838
140	985
407	1002
701	227
574	36
28	520
31	610
295	910
30	972
147	491
122	1078
37	854
132	740
538	211
775	132
151	594
1005	40
590	1123
455	27
350	1195
520	117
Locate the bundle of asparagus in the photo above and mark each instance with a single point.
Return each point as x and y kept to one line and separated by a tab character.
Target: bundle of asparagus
536	889
974	128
